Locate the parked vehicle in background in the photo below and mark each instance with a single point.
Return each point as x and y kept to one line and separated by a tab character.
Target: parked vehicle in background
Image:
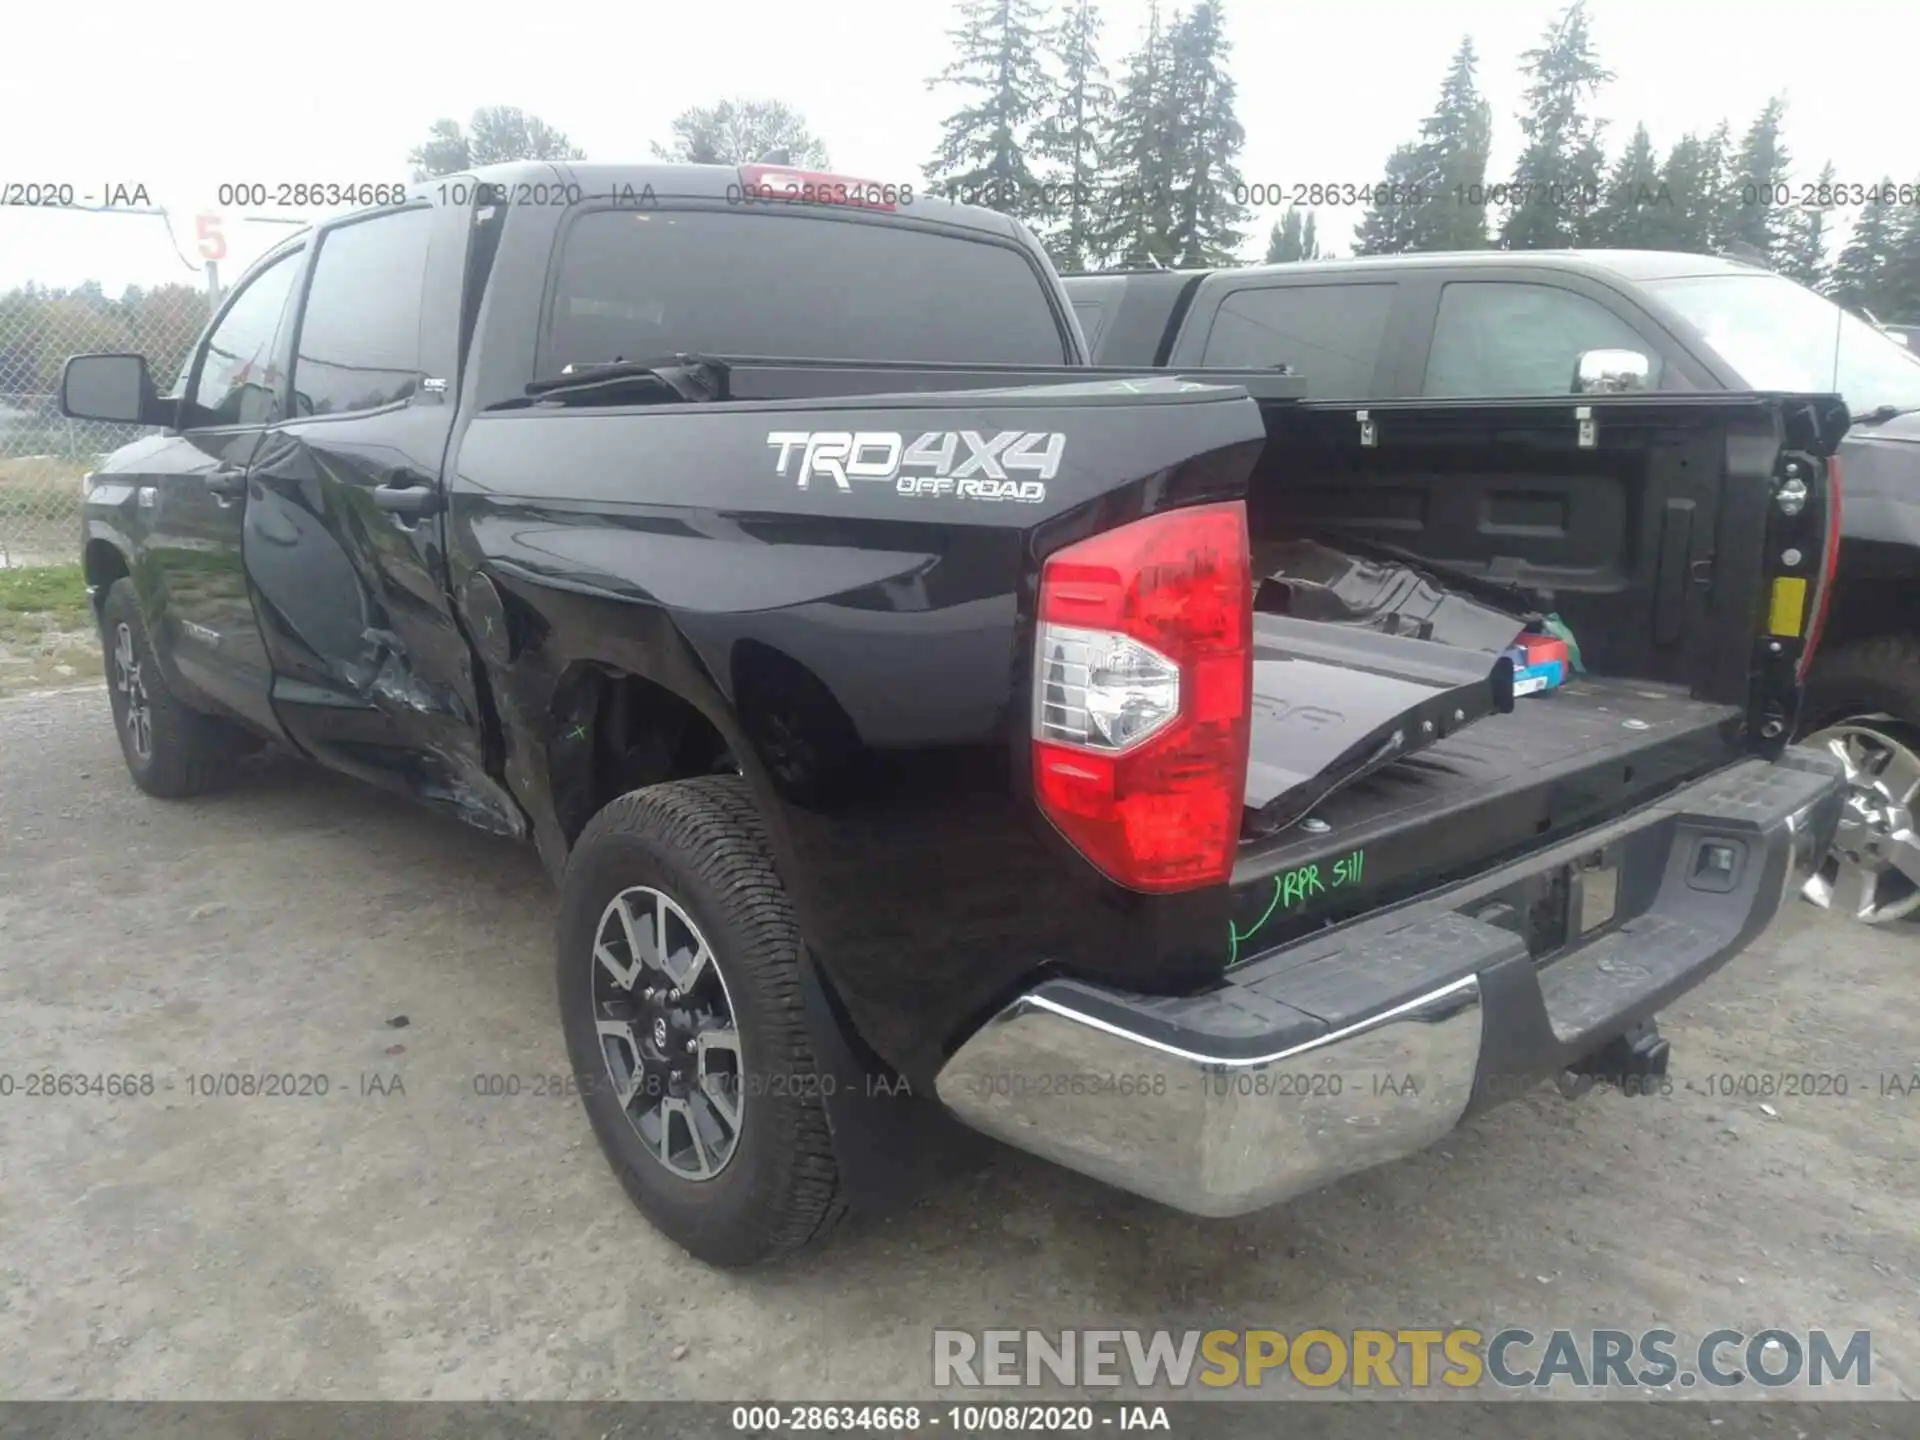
913	728
1483	324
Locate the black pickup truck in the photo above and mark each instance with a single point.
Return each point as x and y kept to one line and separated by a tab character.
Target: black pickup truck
904	724
1477	324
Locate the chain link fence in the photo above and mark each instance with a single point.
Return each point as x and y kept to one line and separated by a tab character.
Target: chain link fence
43	454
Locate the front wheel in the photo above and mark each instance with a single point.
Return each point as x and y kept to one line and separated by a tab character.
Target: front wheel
171	751
679	976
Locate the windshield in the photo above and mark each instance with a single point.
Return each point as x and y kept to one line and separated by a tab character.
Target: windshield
1782	336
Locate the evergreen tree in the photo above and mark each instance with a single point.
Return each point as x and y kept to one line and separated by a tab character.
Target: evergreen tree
1803	255
1757	184
1293	238
1688	216
1072	138
1634	202
1137	217
1860	273
1206	137
1451	213
1720	200
982	155
1391	224
1561	156
1584	196
1900	286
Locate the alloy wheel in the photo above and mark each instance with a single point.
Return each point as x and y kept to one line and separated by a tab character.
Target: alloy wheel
126	679
1872	873
667	1033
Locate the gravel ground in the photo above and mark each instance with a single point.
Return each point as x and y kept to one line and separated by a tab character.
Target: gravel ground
402	1237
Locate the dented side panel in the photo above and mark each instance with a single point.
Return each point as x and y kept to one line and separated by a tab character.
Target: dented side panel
372	672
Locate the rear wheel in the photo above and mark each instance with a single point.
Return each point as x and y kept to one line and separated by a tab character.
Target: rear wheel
678	970
1864	708
171	751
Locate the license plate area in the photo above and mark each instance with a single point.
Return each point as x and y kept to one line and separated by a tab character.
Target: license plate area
1558	907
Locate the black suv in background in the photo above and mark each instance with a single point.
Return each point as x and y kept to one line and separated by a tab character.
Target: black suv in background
1496	323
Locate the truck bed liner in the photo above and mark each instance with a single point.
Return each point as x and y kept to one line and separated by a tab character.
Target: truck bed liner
1559	763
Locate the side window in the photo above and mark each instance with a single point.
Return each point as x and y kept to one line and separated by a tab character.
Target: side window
359	343
238	380
1505	338
1331	334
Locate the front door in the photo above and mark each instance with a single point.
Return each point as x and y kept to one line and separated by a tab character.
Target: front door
192	500
372	674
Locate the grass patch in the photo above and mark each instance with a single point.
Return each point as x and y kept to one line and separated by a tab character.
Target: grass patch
46	597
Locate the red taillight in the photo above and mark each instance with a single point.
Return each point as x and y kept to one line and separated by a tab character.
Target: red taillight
1829	567
817	187
1142	695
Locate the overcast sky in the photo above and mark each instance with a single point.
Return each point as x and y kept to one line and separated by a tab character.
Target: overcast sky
182	100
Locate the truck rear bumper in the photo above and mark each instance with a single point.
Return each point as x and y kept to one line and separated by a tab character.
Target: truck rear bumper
1369	1042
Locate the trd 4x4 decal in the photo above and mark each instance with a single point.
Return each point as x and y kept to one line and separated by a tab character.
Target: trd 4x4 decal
960	463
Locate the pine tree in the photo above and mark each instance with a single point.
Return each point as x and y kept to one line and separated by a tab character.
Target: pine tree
1293	238
982	155
1633	203
1860	274
1900	289
1584	195
1391	224
1138	211
1687	218
1719	198
1451	214
1072	138
1757	185
1562	141
1207	219
1803	254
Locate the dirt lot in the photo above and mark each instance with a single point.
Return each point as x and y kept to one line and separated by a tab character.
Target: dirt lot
404	1237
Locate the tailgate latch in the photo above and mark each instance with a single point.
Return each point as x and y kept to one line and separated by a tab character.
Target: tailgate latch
1589	427
1369	432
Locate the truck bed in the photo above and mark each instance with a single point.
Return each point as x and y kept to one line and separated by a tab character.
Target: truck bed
1559	763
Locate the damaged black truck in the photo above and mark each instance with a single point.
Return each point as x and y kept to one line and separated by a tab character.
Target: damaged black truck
924	726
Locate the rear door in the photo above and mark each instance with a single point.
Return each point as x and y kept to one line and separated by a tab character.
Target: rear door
344	537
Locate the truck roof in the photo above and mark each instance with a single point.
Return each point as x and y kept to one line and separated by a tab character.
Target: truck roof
1629	264
721	182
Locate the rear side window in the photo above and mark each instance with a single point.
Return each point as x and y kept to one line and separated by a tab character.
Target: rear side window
644	285
360	336
1330	334
1506	338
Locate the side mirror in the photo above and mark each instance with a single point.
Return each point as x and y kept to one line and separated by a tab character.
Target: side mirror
1610	372
109	387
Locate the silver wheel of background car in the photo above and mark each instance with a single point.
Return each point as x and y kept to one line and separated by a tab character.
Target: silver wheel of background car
667	1032
126	679
1872	874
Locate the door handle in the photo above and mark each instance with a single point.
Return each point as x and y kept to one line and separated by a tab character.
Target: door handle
229	482
409	501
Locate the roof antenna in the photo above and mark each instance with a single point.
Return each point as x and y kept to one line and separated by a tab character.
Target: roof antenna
782	156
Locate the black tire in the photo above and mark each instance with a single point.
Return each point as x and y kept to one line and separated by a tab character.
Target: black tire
1866	677
186	752
701	844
